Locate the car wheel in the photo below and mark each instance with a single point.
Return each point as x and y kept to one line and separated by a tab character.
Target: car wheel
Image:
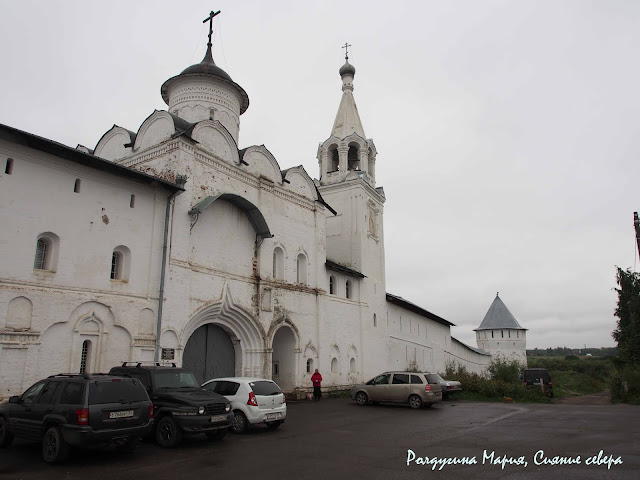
129	445
415	401
6	437
167	433
54	448
274	425
239	423
217	434
362	399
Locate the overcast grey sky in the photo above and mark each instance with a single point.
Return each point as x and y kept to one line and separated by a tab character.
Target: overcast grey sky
507	131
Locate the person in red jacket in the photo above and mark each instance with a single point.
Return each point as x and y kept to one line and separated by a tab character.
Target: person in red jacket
316	379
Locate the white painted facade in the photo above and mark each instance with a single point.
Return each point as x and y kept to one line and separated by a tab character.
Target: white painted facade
291	269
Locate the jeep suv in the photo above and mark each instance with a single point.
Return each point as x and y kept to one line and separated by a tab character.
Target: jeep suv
180	404
539	377
79	410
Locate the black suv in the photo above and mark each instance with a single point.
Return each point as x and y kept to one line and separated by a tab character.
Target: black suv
539	377
181	405
81	410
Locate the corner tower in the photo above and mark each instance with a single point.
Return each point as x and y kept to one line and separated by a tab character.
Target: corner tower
501	335
355	236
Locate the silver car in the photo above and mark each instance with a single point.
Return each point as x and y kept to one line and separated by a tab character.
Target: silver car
399	387
448	386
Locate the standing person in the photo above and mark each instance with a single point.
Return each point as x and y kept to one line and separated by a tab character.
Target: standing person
316	379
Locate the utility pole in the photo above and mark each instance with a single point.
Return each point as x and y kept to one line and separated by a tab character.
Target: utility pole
636	224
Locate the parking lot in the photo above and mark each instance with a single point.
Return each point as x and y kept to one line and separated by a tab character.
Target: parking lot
334	438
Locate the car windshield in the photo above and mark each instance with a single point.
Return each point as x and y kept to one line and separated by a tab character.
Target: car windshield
116	391
265	388
434	378
175	379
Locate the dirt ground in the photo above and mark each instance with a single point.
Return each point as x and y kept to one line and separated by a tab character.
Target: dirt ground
601	398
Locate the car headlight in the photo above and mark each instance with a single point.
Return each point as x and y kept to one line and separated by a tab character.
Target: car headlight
201	410
227	407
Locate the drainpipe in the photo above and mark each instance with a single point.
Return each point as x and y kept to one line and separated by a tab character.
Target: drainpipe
180	181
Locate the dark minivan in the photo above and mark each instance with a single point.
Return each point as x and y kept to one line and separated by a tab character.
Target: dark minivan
79	410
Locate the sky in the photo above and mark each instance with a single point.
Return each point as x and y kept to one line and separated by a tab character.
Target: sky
507	131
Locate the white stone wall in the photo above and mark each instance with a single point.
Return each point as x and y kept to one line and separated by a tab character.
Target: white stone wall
508	344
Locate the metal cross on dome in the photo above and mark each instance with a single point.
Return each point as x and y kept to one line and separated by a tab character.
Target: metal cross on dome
210	20
346	51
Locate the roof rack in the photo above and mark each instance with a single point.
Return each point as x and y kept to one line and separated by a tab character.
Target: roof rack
148	362
86	376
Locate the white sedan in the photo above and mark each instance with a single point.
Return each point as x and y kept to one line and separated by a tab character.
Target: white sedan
253	401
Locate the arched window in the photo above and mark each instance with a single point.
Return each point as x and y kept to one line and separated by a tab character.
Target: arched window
334	365
352	365
302	269
85	357
309	365
8	169
120	263
348	289
334	159
353	162
278	263
76	186
332	285
46	257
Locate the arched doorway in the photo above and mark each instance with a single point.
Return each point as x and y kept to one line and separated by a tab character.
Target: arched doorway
210	353
283	359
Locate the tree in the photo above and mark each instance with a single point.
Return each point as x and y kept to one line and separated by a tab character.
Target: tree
627	333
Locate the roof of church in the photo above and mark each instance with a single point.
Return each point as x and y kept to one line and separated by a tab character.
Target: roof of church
412	307
477	350
347	119
341	268
209	68
499	316
36	142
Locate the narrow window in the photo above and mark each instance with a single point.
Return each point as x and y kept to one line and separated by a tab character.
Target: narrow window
9	166
491	333
509	332
332	285
84	356
348	289
278	264
116	266
334	365
375	320
309	365
352	365
40	262
502	333
302	269
76	186
132	201
276	369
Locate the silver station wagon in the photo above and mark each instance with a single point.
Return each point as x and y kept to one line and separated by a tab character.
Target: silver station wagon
399	387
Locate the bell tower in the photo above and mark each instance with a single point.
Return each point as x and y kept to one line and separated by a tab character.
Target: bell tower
355	236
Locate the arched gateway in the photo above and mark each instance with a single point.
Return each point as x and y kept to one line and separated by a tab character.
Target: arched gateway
223	340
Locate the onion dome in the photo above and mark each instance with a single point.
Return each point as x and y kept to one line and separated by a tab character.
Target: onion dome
347	69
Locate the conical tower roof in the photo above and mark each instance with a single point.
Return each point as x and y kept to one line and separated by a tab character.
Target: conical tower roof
499	317
347	119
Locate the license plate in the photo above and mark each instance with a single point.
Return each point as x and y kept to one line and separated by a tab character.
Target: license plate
121	414
271	416
218	418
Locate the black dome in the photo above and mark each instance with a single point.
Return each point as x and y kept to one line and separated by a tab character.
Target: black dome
208	67
347	69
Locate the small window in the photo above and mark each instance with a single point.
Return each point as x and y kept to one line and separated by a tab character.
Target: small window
8	169
334	365
76	186
302	269
332	285
49	392
85	356
491	333
400	379
31	395
352	365
132	201
73	394
348	289
502	333
42	247
375	320
120	262
278	263
415	379
276	369
309	365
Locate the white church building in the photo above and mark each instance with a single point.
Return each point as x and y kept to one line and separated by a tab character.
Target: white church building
174	243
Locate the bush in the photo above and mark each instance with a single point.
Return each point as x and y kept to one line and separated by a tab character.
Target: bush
505	371
625	385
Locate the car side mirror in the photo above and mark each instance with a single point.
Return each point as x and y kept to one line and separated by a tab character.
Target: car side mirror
14	399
